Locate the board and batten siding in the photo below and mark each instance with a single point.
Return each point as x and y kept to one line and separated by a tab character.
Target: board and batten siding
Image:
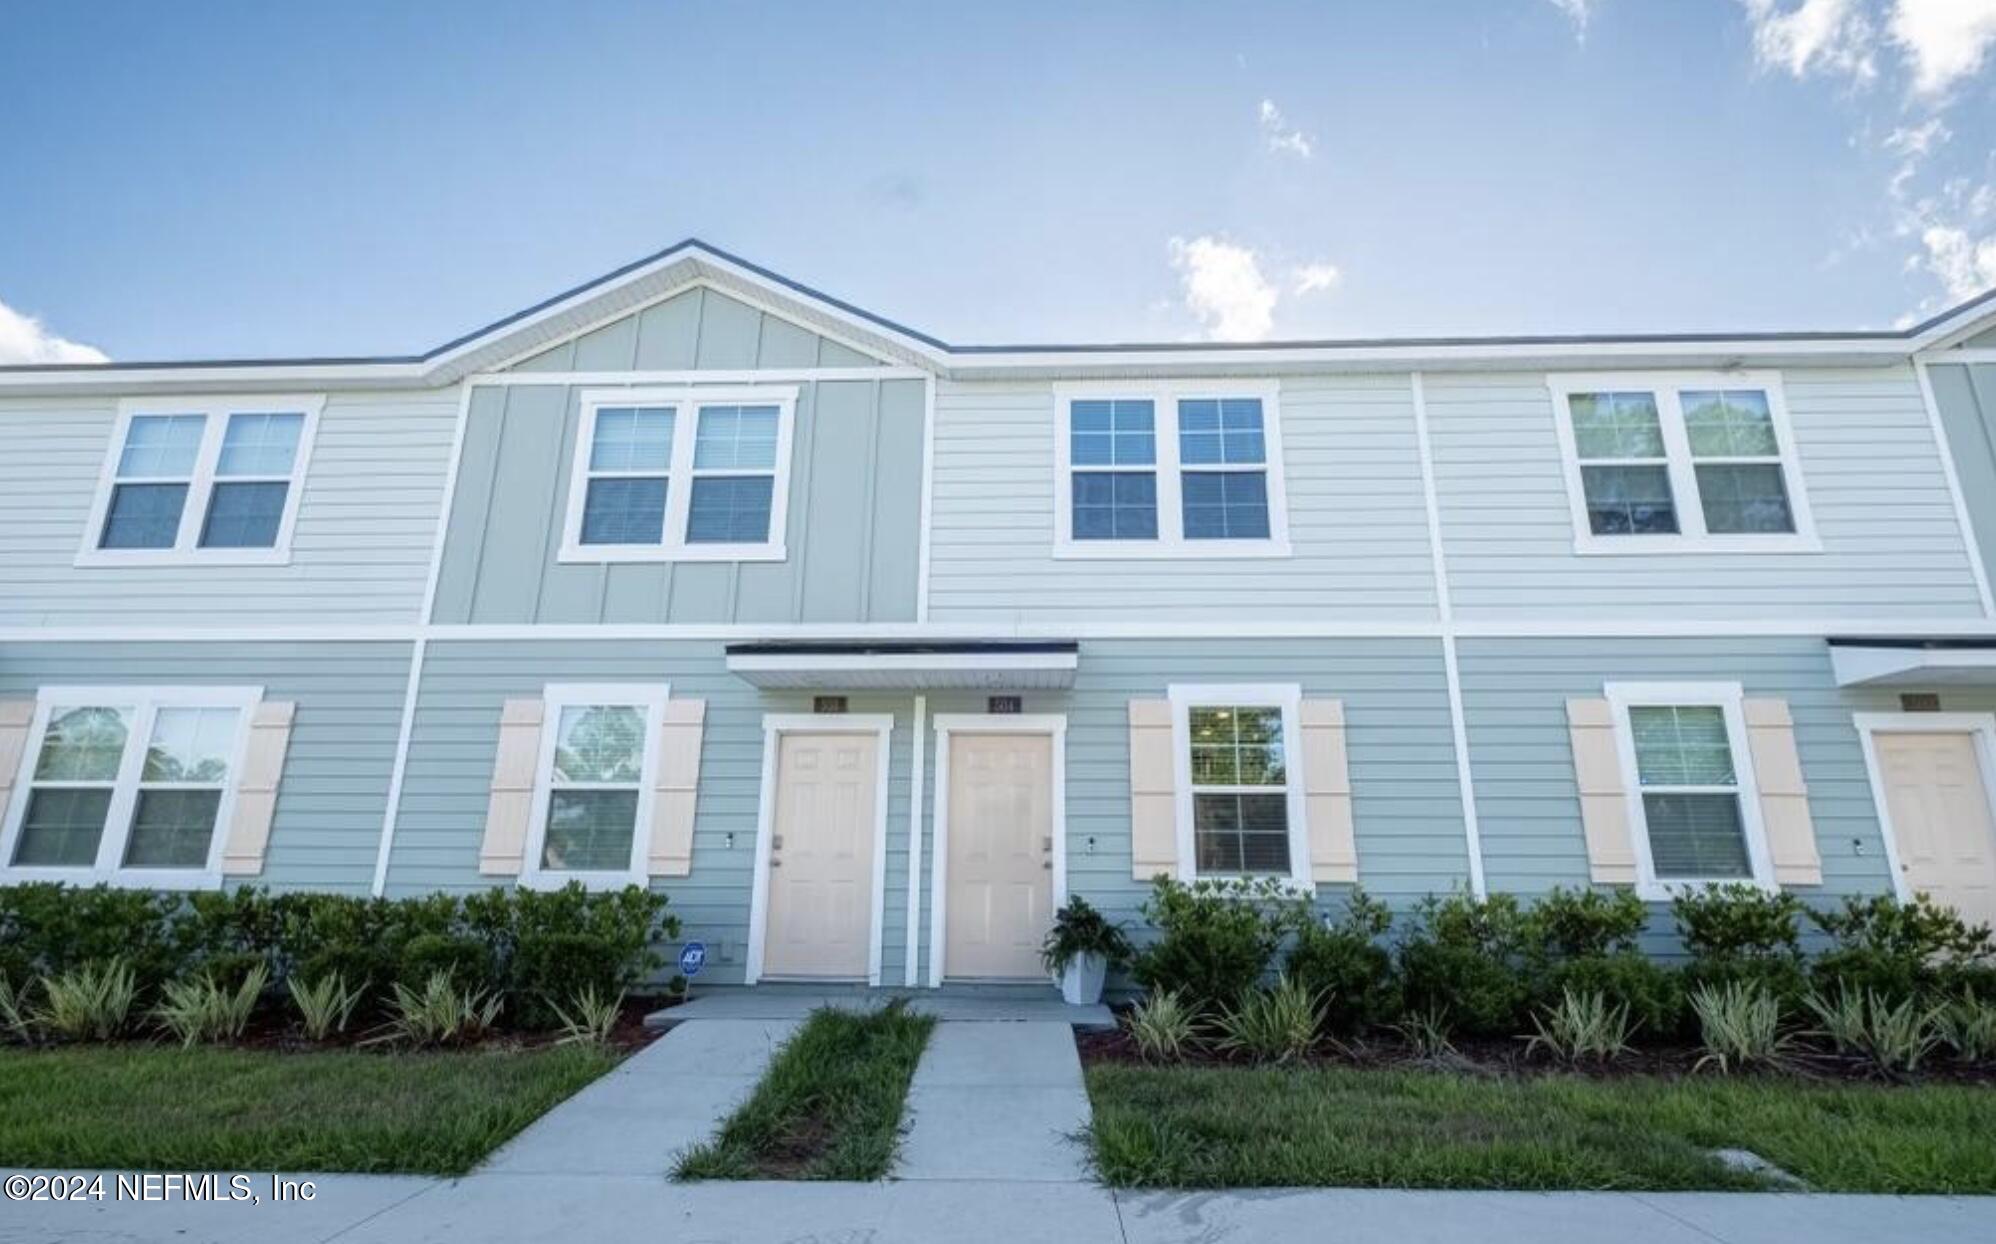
451	751
1892	546
333	793
1965	395
851	545
1357	523
699	328
1527	803
360	553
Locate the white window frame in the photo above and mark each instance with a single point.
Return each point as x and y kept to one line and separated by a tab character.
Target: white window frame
1288	697
1691	535
650	697
1728	697
216	411
1170	542
686	401
145	703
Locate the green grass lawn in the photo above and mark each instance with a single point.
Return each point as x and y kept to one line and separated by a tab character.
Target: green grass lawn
166	1108
1222	1127
829	1107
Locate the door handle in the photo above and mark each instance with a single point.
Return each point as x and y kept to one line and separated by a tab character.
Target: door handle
775	863
1046	844
776	842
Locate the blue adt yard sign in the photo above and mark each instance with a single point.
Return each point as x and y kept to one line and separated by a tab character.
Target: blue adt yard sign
692	957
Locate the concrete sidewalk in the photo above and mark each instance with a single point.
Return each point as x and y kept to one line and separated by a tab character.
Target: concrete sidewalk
997	1102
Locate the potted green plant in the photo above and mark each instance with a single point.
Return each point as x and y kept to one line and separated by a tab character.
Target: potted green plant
1080	949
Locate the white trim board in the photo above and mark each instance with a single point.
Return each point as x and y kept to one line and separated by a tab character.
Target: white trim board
947	726
774	727
1871	725
1288	697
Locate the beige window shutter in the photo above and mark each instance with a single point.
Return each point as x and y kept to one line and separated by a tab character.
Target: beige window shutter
1327	792
1784	797
1153	791
512	804
256	788
16	716
676	788
1604	803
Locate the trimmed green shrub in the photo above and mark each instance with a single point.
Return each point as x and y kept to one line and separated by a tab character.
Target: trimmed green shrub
466	961
1652	991
1742	935
1216	940
1462	962
1343	964
1899	951
1583	924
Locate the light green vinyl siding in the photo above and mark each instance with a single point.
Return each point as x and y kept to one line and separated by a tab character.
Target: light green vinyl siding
852	539
1892	547
327	826
1357	522
1528	806
451	754
698	329
360	553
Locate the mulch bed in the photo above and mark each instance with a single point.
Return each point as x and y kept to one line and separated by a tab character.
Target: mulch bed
1488	1057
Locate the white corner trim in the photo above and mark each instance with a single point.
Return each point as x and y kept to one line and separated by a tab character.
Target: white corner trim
918	755
774	727
1691	536
947	726
1465	778
1289	698
1728	697
686	403
1870	725
215	412
927	517
1168	471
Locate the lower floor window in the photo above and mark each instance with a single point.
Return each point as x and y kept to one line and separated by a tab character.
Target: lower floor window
594	778
1240	799
128	781
1690	793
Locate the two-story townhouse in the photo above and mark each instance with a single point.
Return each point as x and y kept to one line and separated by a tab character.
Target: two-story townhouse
868	649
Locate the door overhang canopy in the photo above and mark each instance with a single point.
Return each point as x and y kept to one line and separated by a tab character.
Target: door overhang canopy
985	665
1913	662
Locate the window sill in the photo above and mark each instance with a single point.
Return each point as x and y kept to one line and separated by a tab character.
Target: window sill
538	880
1649	546
183	557
1153	550
589	554
121	879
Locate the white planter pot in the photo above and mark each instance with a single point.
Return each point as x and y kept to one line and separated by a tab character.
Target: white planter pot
1081	980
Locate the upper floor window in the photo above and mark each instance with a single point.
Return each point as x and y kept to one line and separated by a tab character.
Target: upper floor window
1169	471
210	480
1681	464
1690	779
127	784
681	475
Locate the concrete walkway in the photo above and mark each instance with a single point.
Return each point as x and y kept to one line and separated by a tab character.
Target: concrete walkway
997	1101
987	1003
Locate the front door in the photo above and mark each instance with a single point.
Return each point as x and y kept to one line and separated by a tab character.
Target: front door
820	909
1000	854
1940	818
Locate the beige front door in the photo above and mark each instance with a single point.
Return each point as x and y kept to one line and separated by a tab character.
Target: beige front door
1940	818
1000	883
820	909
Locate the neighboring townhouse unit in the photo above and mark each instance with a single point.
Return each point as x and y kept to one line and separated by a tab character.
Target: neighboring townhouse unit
868	649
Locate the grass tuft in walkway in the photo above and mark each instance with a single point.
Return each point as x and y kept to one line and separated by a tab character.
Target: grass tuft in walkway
829	1107
1242	1128
130	1107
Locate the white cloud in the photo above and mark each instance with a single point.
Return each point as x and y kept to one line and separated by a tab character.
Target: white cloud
24	340
1282	137
1579	12
1964	265
1225	288
1944	40
1312	278
1817	36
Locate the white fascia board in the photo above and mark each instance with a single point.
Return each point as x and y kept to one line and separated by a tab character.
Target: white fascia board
1857	666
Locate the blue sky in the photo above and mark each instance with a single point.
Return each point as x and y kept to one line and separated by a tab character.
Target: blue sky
203	180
